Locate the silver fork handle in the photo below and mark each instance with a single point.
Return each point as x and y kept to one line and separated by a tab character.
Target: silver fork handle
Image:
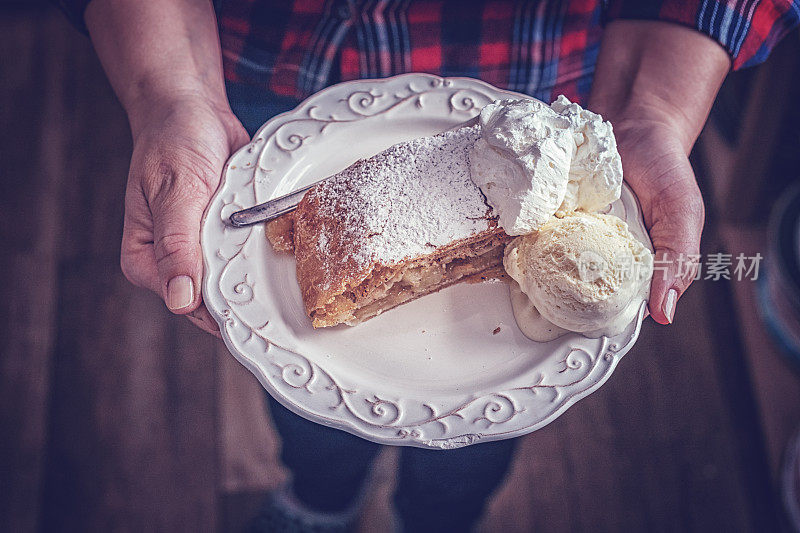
281	205
270	209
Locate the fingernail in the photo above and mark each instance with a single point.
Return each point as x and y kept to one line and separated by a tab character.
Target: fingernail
669	304
180	292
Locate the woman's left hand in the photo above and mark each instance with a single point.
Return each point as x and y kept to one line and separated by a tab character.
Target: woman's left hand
658	171
656	81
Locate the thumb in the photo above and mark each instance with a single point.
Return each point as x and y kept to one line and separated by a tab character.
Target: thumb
177	211
673	272
675	233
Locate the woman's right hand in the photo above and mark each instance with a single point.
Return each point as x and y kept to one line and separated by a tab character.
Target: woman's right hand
179	150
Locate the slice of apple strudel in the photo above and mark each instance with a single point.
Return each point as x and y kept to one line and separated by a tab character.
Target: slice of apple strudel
404	223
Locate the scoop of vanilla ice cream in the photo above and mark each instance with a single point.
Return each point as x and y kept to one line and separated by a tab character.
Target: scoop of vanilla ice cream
584	272
521	162
595	173
533	160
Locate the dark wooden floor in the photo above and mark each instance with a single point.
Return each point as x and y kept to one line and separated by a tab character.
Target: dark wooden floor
115	415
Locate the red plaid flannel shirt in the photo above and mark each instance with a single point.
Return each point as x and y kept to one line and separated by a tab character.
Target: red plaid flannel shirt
543	48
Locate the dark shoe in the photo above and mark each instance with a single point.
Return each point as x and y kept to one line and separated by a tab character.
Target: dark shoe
283	513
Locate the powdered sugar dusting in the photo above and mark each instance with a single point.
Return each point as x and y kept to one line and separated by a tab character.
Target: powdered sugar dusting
322	243
406	201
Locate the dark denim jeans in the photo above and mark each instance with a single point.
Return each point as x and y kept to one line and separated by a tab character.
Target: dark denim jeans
437	491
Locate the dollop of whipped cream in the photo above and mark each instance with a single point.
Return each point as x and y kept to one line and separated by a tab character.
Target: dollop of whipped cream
533	161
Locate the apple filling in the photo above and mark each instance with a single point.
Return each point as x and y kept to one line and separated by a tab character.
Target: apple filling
389	287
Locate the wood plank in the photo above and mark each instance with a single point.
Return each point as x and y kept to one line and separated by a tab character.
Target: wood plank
32	151
718	158
760	137
776	382
132	434
249	446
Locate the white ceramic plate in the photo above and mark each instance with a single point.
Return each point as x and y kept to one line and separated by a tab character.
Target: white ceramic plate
431	373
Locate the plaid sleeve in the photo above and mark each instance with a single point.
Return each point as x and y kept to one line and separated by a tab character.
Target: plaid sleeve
747	29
